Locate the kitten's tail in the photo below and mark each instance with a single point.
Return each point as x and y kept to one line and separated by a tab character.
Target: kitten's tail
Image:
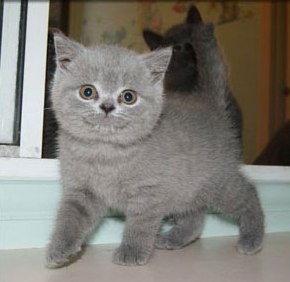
213	77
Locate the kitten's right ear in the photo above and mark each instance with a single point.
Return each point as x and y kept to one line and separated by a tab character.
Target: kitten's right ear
152	39
65	49
193	16
157	62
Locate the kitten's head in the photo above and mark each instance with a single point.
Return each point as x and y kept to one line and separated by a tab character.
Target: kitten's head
107	93
176	35
182	73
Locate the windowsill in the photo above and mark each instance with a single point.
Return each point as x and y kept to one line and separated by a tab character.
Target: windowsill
29	169
207	260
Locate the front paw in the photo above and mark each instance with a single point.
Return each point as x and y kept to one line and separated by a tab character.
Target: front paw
131	255
58	257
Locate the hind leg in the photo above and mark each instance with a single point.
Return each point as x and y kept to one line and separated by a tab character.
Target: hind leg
251	226
240	200
187	228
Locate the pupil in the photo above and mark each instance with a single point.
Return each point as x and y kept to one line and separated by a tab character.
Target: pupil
128	97
88	92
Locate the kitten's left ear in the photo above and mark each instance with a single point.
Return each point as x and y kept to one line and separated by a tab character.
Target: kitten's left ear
157	62
66	50
193	16
153	39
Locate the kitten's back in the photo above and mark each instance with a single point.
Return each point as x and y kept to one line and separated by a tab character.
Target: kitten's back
194	129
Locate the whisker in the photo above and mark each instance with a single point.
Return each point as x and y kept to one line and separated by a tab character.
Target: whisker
121	117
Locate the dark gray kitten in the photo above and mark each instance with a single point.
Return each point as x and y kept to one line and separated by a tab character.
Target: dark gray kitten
182	74
124	145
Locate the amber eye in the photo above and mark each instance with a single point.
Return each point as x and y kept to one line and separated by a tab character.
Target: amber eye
128	97
88	92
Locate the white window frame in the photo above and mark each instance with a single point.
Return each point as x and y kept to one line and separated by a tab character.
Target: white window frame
8	69
34	79
33	91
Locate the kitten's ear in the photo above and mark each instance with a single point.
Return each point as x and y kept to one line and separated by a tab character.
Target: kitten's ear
193	16
152	39
65	49
157	62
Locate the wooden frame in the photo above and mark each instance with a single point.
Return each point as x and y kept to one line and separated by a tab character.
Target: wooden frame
274	72
287	90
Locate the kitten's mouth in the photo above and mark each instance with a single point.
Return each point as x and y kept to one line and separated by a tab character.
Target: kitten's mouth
105	123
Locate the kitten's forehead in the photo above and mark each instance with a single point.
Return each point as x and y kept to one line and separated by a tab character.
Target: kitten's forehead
115	59
110	66
177	34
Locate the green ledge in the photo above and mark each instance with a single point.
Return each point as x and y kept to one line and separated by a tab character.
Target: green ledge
27	211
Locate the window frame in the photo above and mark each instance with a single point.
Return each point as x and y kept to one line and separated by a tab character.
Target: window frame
10	33
33	86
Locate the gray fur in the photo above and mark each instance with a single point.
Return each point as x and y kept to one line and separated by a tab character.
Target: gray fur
157	158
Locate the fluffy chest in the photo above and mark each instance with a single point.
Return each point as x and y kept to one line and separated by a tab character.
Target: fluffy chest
114	184
108	170
114	179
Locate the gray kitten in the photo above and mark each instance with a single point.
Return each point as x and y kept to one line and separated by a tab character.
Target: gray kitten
123	145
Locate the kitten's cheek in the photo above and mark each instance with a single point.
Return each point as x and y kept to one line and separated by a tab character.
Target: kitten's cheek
86	120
